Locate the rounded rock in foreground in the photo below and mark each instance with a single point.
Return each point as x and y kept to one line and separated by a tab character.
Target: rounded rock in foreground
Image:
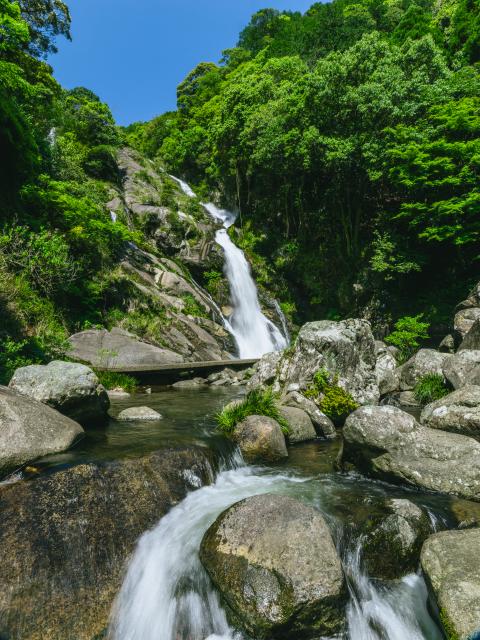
260	439
274	562
139	414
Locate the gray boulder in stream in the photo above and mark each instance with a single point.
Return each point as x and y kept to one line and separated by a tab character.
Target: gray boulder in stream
391	548
29	430
66	538
301	428
70	388
324	427
459	412
451	564
390	444
260	439
274	562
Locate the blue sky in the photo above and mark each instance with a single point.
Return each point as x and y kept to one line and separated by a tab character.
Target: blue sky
134	53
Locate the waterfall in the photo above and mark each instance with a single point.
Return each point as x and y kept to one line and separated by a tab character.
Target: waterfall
254	333
167	595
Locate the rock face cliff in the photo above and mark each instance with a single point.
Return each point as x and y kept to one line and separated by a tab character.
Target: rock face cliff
156	298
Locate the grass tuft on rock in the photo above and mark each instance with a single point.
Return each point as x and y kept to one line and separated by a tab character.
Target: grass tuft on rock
430	388
112	380
258	402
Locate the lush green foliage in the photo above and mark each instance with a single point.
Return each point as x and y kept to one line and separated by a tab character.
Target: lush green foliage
256	403
430	388
409	331
333	400
348	139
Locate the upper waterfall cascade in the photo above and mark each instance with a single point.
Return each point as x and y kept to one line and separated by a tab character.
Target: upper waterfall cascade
254	333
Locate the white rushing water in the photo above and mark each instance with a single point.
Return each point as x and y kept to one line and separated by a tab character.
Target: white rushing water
254	333
167	594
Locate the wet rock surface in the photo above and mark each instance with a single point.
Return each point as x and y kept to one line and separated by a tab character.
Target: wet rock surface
388	443
133	414
274	561
324	427
68	536
391	547
451	563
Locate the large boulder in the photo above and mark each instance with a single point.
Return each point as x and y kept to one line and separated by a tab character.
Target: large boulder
451	564
424	362
300	426
345	349
30	430
67	537
391	548
464	320
260	439
459	412
388	443
274	562
463	368
385	369
71	388
472	339
324	427
117	349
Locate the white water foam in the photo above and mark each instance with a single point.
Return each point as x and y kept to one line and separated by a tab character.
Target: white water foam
167	594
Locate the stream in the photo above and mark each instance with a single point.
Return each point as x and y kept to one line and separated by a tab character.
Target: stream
167	595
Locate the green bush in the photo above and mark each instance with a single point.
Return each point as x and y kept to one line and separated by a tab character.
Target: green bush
112	380
193	307
430	388
408	332
100	163
256	403
13	355
332	400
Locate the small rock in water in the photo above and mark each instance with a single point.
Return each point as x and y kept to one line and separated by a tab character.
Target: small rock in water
139	413
189	384
301	428
118	393
391	548
260	439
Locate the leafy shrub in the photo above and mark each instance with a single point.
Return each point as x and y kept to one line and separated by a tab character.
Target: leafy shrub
44	257
430	388
100	163
212	281
256	403
112	380
335	402
13	355
408	332
192	306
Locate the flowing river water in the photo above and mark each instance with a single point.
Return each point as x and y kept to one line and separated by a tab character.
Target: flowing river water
167	595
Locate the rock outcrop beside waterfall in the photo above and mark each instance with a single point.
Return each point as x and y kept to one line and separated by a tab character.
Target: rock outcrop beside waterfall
66	538
346	350
274	562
